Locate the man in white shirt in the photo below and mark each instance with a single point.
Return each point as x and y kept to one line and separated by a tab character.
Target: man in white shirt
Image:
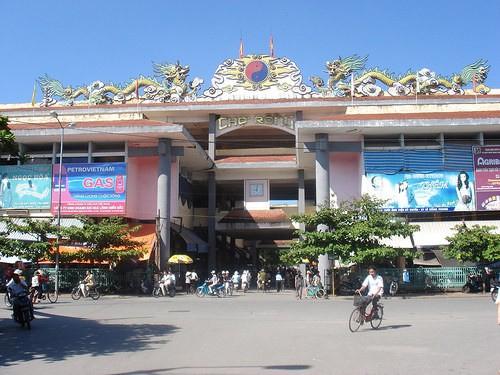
375	285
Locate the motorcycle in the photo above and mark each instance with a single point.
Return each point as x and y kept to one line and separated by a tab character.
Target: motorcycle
393	288
347	288
158	290
473	285
22	309
203	291
495	288
93	292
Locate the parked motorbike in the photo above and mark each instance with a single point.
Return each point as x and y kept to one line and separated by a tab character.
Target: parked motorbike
158	290
393	288
495	288
203	291
348	288
22	309
473	285
93	292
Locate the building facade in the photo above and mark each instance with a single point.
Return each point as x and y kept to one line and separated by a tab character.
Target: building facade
220	170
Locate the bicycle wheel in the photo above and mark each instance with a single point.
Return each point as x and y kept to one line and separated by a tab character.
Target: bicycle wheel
355	320
76	294
53	296
7	300
221	293
95	294
494	295
320	293
377	317
200	293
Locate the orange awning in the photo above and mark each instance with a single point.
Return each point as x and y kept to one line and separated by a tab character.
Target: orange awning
146	234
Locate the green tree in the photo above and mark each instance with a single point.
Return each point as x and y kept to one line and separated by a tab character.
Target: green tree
107	239
8	144
355	233
473	244
37	236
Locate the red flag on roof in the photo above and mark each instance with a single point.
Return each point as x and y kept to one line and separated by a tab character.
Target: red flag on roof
241	48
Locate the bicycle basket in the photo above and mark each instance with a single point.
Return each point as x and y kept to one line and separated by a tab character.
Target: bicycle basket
361	300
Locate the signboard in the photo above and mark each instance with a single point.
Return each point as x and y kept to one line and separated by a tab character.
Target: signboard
91	189
487	175
417	192
25	186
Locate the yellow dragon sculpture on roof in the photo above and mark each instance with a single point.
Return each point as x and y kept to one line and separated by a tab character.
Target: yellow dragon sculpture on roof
343	81
168	86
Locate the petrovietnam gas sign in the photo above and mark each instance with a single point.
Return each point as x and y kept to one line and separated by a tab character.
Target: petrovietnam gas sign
90	189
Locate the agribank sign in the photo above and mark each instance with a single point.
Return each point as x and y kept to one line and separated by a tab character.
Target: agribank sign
90	189
487	176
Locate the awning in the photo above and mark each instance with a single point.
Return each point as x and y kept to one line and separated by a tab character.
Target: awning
193	242
145	234
434	233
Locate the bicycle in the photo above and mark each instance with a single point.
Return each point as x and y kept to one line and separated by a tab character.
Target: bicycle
48	292
315	291
359	317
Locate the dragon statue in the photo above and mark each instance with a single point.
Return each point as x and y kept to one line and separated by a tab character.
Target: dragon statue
171	87
423	81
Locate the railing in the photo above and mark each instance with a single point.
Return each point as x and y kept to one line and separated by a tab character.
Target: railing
422	279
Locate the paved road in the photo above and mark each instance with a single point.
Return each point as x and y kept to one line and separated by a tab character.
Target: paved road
253	333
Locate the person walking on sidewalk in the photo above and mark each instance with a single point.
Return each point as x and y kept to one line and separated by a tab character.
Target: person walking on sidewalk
299	284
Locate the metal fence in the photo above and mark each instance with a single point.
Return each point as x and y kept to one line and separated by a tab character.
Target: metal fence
422	279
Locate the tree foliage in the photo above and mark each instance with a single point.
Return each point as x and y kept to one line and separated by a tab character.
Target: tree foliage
355	231
8	144
473	244
38	234
107	239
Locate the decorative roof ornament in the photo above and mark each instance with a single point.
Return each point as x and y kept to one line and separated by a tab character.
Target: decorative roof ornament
257	77
266	77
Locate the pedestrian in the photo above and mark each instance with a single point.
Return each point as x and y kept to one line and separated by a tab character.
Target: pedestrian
299	284
279	282
188	281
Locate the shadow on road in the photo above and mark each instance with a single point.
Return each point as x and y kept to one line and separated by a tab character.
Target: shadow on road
214	368
52	338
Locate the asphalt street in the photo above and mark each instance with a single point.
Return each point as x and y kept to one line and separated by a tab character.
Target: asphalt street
252	333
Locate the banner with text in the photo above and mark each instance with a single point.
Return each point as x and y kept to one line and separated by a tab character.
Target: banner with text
414	192
487	176
25	186
91	189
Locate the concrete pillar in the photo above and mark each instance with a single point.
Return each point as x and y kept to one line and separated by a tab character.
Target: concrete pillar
163	199
322	190
212	248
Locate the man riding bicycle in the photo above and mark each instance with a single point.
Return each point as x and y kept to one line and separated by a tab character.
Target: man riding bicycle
375	285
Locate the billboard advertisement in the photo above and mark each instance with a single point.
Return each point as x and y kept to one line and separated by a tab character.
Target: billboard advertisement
423	192
25	186
90	189
487	176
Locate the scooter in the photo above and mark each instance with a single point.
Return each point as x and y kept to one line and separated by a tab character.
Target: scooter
158	290
473	285
22	309
203	291
393	288
347	288
495	288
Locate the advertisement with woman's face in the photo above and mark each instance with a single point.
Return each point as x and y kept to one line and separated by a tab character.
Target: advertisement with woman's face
407	192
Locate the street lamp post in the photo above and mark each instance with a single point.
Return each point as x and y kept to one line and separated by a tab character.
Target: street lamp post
54	114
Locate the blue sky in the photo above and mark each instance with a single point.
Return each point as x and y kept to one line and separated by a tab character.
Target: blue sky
78	42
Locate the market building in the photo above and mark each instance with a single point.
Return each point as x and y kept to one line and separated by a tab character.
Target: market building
218	171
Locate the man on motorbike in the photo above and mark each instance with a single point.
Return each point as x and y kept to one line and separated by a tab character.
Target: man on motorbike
16	286
87	283
213	282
